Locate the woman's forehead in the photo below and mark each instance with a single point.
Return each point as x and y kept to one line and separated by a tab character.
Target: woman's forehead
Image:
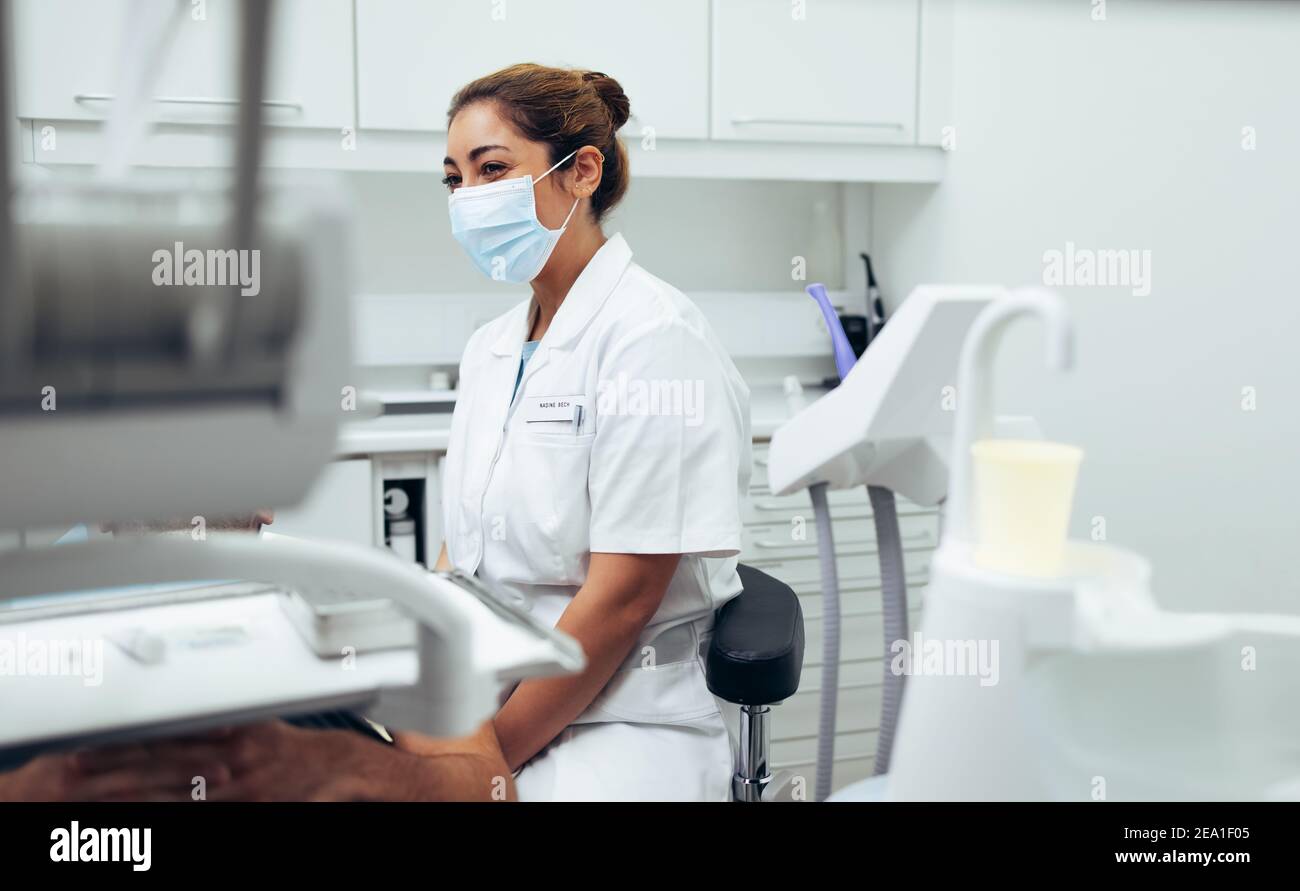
478	127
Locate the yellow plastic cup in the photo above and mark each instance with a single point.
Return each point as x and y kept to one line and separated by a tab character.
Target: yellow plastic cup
1024	490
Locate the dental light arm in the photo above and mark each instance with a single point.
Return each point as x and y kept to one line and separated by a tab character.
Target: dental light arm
9	318
154	334
167	349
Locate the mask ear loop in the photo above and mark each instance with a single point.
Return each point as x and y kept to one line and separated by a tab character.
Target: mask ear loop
553	166
565	224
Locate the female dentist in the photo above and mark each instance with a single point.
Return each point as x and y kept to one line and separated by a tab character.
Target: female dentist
599	449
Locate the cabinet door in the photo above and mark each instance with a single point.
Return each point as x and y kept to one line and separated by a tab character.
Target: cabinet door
68	51
414	55
819	71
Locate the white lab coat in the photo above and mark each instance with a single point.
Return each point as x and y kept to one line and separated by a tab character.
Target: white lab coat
629	434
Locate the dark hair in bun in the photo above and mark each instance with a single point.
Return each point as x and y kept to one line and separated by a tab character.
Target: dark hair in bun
611	94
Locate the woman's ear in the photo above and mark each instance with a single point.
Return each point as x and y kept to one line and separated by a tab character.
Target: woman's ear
588	166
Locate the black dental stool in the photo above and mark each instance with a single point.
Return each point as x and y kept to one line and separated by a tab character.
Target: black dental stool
754	661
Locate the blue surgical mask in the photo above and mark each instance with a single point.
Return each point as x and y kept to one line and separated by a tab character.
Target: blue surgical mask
497	226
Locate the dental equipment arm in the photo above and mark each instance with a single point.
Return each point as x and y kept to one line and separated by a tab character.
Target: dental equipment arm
893	590
884	426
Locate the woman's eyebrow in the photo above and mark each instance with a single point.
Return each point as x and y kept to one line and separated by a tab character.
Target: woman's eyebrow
482	149
475	153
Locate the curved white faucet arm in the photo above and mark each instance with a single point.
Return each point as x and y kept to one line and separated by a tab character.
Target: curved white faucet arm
975	384
292	562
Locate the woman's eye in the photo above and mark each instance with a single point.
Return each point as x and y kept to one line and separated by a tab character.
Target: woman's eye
492	168
451	181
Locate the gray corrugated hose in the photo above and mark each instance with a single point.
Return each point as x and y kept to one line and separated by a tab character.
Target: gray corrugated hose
830	643
893	594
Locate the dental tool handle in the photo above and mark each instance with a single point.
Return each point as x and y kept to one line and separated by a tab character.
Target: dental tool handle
875	306
844	358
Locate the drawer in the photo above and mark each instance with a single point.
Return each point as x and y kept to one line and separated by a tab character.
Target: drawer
775	540
853	673
855	601
861	637
802	751
846	504
855	760
856	570
857	710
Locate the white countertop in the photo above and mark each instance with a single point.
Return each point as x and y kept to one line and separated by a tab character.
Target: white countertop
429	432
395	433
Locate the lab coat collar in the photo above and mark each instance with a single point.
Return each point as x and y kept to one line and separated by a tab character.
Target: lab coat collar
594	284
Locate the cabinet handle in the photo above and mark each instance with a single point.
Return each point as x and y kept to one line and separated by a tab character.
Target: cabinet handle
741	120
189	100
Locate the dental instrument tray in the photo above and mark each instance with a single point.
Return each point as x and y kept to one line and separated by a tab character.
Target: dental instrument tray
91	670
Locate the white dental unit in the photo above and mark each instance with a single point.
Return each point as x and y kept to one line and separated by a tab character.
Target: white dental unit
124	400
1095	693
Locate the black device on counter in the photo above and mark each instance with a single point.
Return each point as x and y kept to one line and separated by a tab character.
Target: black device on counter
875	306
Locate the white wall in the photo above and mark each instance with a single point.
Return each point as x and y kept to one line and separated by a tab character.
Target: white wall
1127	133
700	235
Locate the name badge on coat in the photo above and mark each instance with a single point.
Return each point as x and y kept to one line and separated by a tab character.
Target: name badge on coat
550	413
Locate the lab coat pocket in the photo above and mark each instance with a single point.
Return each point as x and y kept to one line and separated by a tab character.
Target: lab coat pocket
551	481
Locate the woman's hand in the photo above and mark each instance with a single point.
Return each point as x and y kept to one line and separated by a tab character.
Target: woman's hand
606	616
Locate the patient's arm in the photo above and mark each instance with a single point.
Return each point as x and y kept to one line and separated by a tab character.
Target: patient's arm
272	761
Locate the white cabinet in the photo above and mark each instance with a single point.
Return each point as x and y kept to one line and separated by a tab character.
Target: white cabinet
67	54
412	55
820	71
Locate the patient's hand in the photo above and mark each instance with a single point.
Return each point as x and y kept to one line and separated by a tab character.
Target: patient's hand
273	761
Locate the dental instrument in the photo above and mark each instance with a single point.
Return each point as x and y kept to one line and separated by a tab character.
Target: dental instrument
900	380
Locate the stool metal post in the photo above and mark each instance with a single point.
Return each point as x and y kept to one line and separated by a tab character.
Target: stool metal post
753	772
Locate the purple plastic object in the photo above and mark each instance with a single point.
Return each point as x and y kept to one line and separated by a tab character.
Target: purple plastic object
844	358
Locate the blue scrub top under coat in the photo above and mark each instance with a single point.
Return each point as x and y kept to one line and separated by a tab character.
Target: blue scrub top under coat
530	347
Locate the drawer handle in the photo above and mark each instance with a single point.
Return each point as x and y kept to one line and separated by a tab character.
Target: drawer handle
782	508
851	542
920	580
744	120
190	100
775	507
